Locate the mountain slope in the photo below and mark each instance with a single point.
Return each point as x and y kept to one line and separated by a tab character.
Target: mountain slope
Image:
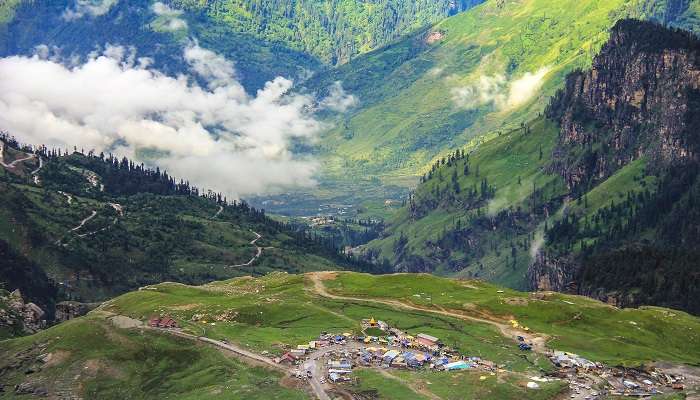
639	105
606	182
93	226
264	317
135	24
266	39
334	31
443	86
490	68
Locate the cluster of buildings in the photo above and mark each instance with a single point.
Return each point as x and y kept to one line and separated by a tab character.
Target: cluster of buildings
384	347
583	374
162	322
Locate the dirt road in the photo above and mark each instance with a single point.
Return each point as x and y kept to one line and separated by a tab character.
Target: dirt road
84	221
14	163
258	252
314	382
538	341
221	208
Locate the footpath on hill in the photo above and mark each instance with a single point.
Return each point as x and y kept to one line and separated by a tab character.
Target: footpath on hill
538	341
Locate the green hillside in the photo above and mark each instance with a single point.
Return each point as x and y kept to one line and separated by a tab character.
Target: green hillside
586	199
88	227
476	215
409	112
275	312
27	24
93	358
265	39
485	70
335	30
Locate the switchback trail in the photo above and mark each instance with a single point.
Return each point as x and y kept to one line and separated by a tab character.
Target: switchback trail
84	221
14	163
258	252
221	208
41	164
69	198
120	211
538	341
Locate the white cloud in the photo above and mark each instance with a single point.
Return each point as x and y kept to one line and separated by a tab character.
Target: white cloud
92	8
338	99
489	89
171	17
499	91
218	136
212	67
524	88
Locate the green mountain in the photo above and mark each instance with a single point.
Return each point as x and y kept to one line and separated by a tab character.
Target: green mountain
88	227
595	197
28	24
266	39
485	70
333	31
110	354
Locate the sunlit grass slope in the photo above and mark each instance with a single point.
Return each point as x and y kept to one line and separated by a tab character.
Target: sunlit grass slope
574	323
409	111
514	163
92	356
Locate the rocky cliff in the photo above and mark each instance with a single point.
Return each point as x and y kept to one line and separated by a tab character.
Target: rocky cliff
639	97
18	316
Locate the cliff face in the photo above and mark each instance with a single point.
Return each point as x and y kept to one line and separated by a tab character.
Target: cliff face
641	98
18	316
637	98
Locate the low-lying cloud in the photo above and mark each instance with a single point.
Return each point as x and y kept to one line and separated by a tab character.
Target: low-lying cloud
500	92
338	99
217	135
91	8
171	17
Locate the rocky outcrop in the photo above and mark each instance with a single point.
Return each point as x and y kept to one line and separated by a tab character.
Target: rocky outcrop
552	274
641	98
67	310
16	315
637	99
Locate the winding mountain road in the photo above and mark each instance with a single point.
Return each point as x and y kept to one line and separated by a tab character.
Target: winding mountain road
13	164
221	208
41	164
69	198
84	221
258	252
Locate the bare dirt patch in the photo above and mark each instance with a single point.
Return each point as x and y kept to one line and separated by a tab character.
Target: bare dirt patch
57	357
434	36
186	307
124	322
516	301
290	382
